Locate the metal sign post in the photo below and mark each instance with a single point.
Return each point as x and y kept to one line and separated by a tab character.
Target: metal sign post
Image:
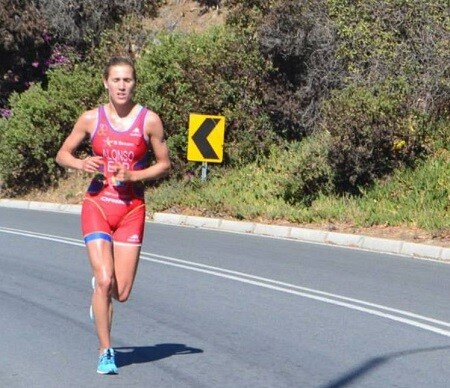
204	171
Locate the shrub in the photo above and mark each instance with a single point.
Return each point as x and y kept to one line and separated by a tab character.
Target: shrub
373	131
35	32
390	38
124	39
280	185
418	197
41	120
82	21
301	41
246	15
216	72
397	88
21	47
325	45
310	171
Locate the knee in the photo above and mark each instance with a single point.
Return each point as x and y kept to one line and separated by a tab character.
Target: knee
122	298
104	284
123	294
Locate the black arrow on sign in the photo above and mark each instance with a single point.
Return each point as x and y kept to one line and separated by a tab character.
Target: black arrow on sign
200	138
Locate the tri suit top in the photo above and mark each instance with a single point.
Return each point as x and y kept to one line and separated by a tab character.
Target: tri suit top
112	210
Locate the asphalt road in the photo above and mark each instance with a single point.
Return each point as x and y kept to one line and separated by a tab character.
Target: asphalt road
217	309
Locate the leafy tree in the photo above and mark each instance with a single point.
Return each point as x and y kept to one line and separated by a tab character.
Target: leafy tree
82	21
23	46
37	34
301	41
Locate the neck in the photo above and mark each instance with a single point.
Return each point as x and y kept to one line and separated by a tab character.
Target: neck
120	110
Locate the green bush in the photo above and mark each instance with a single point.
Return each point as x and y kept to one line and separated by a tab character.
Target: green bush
281	185
40	121
418	197
301	41
246	15
382	39
254	190
217	72
310	171
373	131
83	21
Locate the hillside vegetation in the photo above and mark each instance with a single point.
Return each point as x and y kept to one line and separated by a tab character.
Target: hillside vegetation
337	113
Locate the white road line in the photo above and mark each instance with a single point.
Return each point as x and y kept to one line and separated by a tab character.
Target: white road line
292	286
325	297
42	236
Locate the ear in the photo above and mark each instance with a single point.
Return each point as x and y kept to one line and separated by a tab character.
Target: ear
105	84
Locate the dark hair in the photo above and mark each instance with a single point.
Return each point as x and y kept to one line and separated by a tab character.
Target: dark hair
114	61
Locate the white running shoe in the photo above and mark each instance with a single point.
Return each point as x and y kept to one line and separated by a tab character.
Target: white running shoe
91	311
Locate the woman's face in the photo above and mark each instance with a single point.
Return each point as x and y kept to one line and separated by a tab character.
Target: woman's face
120	84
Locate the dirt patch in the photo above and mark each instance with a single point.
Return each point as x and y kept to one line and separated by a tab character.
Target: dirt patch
186	16
401	233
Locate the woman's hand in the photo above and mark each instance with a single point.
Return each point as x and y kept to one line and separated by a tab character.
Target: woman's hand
92	164
121	174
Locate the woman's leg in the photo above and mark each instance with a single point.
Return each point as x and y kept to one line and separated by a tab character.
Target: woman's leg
126	253
102	262
126	259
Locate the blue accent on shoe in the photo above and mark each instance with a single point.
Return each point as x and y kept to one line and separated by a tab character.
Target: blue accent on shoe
107	363
96	236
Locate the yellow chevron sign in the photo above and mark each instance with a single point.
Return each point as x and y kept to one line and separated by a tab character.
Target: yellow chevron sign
206	138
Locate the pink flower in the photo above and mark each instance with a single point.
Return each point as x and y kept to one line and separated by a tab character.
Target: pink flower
47	37
5	113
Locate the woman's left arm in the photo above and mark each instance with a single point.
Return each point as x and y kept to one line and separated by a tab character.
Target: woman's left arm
153	127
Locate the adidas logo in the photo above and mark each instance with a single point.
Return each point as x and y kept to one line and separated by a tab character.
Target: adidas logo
133	238
135	132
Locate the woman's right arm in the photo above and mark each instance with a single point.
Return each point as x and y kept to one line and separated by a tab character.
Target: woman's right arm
66	154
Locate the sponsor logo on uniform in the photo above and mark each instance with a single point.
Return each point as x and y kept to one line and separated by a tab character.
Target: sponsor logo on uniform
114	200
112	142
102	130
134	238
135	132
108	142
125	143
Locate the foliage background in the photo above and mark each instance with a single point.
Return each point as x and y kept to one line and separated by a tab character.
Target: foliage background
337	112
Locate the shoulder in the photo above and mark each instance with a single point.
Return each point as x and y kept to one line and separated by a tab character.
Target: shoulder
152	117
152	123
89	115
88	120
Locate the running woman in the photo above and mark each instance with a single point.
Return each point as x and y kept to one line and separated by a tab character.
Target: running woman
113	211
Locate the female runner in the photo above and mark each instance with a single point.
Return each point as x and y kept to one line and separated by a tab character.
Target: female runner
113	210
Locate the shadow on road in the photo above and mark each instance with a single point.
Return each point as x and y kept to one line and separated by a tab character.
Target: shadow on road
376	362
142	354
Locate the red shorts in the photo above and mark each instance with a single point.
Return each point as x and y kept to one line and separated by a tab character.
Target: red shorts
111	219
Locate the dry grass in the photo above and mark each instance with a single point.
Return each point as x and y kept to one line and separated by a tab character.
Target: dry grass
67	191
72	189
